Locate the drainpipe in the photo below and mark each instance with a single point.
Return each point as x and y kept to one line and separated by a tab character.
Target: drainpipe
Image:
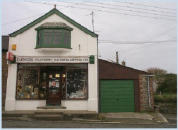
148	90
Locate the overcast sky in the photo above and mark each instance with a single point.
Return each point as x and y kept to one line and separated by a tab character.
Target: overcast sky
123	26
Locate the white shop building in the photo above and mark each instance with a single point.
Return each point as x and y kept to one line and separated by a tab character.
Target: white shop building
55	64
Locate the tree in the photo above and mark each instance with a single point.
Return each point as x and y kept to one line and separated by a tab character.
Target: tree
156	71
169	85
158	76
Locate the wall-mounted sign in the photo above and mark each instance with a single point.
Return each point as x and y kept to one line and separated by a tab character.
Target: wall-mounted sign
52	59
13	47
10	57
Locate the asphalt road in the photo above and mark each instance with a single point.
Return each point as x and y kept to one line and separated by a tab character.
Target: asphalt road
74	124
172	118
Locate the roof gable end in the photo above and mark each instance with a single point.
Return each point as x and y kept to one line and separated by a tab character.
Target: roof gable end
51	12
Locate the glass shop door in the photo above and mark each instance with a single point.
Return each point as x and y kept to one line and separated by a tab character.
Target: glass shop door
54	90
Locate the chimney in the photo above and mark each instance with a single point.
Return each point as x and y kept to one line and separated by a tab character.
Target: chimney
123	63
55	6
117	57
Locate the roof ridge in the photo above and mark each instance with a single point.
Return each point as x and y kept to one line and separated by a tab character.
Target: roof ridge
60	14
124	66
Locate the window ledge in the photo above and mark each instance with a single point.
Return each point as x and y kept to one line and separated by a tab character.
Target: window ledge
53	49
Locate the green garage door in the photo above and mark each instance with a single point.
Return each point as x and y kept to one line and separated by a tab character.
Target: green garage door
117	96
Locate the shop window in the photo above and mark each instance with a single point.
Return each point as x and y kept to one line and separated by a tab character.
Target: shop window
28	83
34	80
43	84
77	84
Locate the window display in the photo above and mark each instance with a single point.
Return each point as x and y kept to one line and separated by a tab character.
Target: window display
77	84
27	84
43	84
34	81
63	85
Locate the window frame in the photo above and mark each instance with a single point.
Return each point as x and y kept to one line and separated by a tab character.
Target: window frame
86	98
38	45
38	70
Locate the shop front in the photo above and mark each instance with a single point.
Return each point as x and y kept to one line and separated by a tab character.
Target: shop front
53	61
52	82
43	81
52	79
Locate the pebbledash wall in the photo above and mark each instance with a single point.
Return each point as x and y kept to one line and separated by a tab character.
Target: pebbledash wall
146	94
25	46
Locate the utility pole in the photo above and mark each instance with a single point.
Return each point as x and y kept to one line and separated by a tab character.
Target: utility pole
117	57
92	14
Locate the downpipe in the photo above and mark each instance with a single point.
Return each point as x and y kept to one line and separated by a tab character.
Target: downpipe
148	90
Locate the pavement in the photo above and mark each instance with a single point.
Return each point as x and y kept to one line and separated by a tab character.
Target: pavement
86	116
85	119
171	118
129	115
135	117
78	124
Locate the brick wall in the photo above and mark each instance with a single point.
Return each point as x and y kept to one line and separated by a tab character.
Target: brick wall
4	77
144	98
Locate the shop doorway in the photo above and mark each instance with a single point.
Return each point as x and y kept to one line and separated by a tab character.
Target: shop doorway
56	83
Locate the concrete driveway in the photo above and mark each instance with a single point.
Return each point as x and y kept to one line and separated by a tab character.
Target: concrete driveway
135	117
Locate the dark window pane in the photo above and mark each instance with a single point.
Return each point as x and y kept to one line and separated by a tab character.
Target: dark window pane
27	84
77	83
54	37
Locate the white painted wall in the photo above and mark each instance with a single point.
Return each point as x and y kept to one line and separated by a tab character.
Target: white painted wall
11	87
26	43
75	104
29	104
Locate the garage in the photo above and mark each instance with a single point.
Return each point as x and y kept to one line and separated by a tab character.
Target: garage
117	95
124	89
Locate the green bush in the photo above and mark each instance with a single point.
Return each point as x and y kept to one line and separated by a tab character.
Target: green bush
169	84
166	98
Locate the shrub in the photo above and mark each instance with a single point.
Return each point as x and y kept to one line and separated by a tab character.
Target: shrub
166	98
169	84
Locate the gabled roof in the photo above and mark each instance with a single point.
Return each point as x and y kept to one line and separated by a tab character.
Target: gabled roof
51	12
109	70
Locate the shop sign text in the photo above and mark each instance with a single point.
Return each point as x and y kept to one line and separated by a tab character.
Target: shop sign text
28	59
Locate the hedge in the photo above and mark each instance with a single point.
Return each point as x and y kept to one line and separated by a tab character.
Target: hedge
166	98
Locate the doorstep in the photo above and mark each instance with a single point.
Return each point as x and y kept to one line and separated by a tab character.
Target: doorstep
29	112
51	107
18	113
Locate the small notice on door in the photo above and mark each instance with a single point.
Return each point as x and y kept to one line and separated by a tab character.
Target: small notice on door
57	84
53	83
